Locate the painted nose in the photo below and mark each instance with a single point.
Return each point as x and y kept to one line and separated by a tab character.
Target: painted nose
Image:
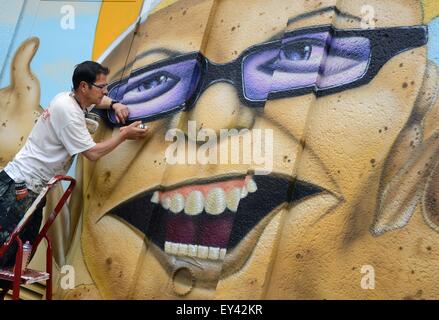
220	108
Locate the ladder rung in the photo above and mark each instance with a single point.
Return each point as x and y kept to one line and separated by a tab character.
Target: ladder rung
28	277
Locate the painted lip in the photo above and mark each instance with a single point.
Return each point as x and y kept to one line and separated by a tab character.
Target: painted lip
207	233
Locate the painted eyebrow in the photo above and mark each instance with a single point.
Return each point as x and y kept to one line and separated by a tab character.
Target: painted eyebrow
307	15
323	10
168	52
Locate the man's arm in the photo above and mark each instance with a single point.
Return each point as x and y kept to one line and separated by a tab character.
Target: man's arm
131	132
122	112
105	103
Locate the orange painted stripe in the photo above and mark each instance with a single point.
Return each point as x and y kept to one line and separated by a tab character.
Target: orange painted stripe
431	10
114	19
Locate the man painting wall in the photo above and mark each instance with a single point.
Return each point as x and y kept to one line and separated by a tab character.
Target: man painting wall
344	191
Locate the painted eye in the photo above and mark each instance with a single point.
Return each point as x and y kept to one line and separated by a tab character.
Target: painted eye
311	60
296	51
299	56
145	88
152	83
148	87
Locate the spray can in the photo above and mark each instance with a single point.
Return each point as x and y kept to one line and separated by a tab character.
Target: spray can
20	190
27	249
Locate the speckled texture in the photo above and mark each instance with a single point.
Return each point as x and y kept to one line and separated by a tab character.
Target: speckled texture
356	172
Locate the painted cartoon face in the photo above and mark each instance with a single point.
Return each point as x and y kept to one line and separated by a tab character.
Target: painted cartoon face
334	103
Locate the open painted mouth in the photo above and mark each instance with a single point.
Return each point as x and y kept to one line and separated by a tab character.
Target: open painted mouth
205	219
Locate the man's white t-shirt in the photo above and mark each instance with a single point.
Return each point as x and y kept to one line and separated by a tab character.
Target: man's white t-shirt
58	135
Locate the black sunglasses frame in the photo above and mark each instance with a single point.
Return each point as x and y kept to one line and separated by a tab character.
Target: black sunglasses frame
97	86
385	43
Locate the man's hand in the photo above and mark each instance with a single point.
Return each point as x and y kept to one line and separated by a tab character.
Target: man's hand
121	112
133	132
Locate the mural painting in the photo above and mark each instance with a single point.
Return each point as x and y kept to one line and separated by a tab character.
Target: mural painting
351	106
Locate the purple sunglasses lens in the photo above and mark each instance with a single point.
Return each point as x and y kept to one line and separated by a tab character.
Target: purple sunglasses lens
258	73
347	61
159	90
293	65
302	62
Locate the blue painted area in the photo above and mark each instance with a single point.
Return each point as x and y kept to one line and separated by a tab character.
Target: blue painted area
9	16
433	41
60	49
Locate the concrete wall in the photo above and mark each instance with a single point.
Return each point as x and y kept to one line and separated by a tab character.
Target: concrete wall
348	208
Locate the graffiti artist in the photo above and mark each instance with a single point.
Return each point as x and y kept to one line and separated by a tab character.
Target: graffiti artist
59	134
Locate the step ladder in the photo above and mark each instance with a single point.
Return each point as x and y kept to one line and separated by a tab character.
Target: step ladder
12	278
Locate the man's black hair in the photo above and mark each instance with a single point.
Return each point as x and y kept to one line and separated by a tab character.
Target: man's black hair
87	71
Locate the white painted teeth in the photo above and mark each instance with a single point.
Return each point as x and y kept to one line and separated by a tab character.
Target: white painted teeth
195	251
213	253
182	250
167	247
174	248
232	198
244	192
155	197
216	202
166	203
251	186
194	203
222	254
192	250
177	203
203	252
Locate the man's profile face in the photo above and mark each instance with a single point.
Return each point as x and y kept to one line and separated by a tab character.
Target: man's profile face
325	154
96	91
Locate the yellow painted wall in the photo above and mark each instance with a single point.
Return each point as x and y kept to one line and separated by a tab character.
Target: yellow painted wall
114	18
349	210
431	10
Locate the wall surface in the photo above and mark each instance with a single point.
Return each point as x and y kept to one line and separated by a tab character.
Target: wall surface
331	109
